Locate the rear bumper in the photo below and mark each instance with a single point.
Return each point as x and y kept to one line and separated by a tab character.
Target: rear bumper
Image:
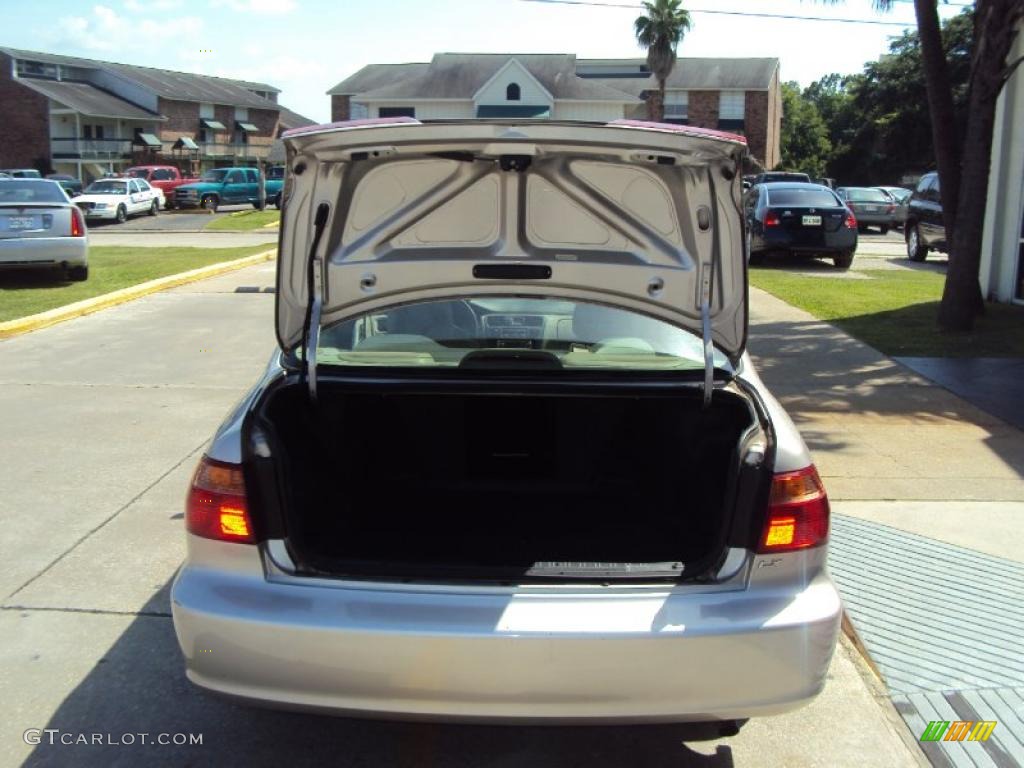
44	251
875	219
513	655
833	242
106	213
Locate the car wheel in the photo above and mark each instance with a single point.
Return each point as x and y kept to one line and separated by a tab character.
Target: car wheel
256	205
757	258
154	209
79	273
122	214
885	229
210	203
916	250
277	202
843	260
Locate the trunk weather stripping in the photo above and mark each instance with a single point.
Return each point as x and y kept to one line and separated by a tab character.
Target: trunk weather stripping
314	301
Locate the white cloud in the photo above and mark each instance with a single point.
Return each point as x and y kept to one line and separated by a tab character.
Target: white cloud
262	7
150	6
106	30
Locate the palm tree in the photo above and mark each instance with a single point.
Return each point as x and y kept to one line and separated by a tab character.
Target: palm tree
660	30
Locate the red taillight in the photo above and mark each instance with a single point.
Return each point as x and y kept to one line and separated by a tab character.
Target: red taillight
891	209
77	223
851	220
216	507
771	219
798	512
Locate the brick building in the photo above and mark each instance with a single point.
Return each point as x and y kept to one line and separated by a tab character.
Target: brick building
87	118
738	95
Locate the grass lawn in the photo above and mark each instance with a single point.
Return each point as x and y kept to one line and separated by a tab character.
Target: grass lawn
895	310
243	221
26	292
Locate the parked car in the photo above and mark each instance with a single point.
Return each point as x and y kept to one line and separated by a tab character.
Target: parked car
166	178
787	217
871	206
900	198
925	229
23	173
493	472
118	199
773	176
41	227
71	185
227	186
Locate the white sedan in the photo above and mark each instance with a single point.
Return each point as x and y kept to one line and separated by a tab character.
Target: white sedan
119	198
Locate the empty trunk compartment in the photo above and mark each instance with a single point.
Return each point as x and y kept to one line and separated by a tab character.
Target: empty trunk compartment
477	483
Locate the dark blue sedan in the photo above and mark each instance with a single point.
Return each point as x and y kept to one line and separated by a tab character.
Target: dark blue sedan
790	217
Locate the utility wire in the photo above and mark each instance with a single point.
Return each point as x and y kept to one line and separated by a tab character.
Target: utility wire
794	17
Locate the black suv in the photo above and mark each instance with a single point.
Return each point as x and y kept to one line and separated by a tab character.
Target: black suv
924	229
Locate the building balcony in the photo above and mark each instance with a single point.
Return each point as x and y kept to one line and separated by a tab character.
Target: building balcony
239	150
90	149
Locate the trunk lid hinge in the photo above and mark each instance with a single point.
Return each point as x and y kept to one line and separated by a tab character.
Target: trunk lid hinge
705	322
314	302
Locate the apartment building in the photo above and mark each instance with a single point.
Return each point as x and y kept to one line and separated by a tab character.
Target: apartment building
86	118
738	95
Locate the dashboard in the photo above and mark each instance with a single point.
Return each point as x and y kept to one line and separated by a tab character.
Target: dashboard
513	330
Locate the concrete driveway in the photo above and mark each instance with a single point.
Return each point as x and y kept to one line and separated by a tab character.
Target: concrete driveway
104	418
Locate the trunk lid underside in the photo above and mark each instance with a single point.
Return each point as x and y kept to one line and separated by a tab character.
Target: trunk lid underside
640	217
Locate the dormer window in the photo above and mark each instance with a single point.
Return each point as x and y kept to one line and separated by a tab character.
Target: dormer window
512	92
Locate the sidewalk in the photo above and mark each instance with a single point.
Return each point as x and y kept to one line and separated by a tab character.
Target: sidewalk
927	541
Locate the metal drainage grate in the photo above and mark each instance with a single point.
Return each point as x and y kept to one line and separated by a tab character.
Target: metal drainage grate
945	627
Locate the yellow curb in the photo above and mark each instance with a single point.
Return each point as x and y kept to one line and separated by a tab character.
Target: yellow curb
96	303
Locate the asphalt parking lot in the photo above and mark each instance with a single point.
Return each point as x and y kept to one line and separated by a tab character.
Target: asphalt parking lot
105	417
167	221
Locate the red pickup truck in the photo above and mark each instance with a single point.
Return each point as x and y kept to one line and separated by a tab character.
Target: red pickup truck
165	177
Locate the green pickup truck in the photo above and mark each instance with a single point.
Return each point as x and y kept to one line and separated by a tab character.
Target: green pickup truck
227	186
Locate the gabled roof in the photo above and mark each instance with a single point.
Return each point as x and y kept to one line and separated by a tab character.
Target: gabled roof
176	86
694	74
462	75
88	99
376	75
289	119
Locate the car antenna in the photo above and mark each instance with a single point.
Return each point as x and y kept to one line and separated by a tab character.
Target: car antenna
311	323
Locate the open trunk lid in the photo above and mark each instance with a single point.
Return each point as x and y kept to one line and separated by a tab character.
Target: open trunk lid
642	216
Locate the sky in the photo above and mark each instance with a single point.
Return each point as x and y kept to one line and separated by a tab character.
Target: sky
304	47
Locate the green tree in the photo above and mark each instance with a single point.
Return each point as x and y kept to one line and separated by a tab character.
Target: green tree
963	161
879	125
660	30
804	138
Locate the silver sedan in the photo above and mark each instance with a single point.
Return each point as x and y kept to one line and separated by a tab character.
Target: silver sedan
41	227
511	461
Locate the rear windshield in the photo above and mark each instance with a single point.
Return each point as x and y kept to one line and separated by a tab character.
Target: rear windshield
139	173
31	191
107	187
544	333
818	198
859	195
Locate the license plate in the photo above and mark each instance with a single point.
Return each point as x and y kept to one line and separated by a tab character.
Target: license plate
21	222
812	221
871	208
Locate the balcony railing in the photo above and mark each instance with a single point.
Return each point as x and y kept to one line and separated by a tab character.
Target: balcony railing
98	149
213	149
113	149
